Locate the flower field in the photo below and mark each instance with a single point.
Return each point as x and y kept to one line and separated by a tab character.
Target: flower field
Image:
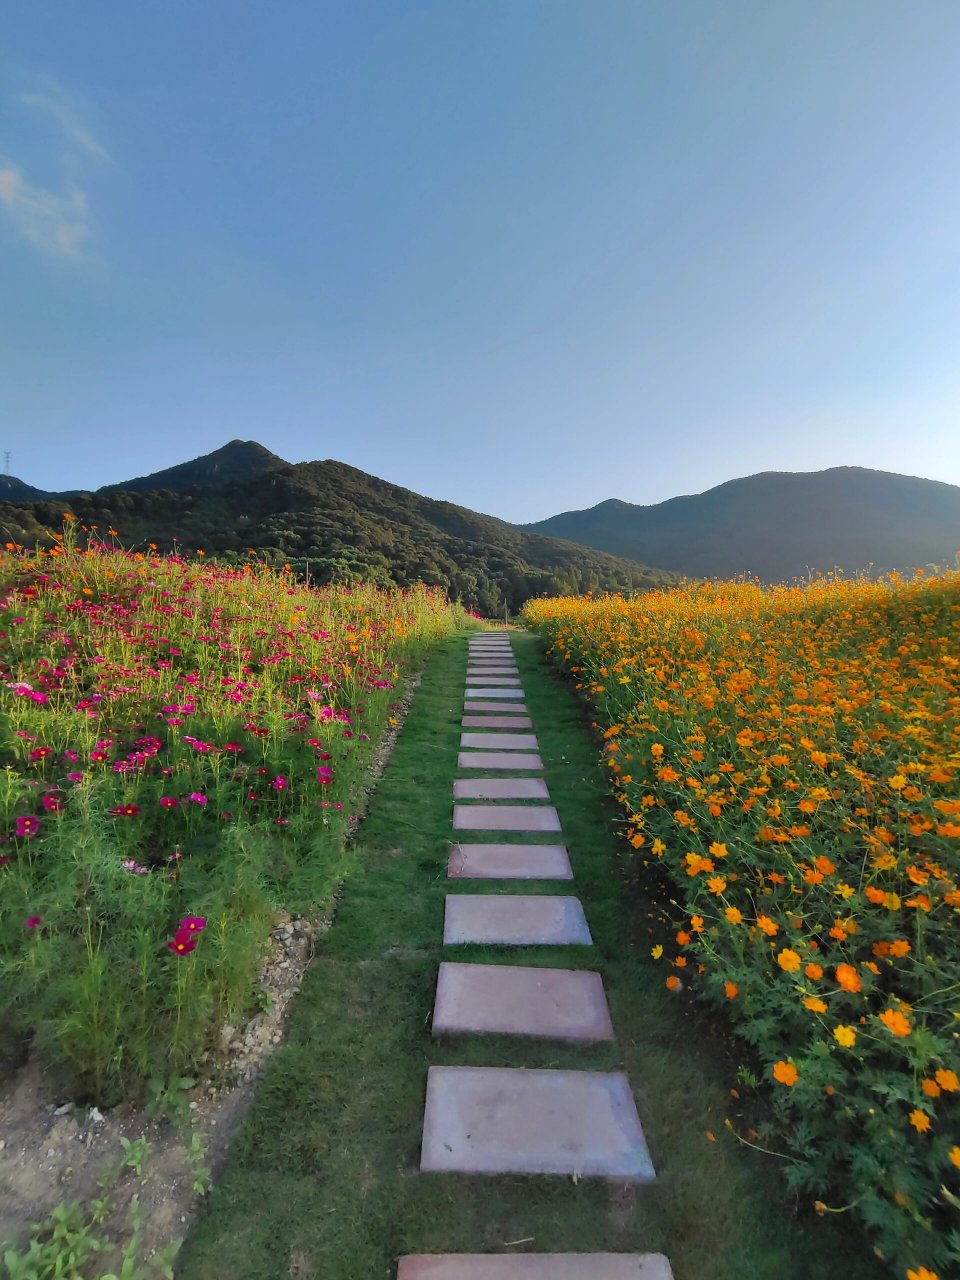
789	764
182	747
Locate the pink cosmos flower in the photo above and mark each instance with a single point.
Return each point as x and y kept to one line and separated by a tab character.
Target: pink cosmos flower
192	924
27	826
168	802
197	797
33	922
74	777
52	802
124	811
182	943
41	753
279	783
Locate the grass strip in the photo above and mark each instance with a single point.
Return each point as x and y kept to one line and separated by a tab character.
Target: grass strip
323	1179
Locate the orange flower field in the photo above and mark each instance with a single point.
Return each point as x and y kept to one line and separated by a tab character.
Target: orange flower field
789	760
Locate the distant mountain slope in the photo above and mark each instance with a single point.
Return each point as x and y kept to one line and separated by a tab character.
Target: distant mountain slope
338	524
14	490
779	524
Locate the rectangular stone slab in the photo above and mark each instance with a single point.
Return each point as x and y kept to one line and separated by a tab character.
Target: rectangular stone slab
509	862
496	722
473	705
500	789
509	1120
516	1000
500	741
514	920
505	817
534	1266
499	760
493	692
480	672
499	681
490	648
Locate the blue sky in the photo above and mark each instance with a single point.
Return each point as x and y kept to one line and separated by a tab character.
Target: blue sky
523	255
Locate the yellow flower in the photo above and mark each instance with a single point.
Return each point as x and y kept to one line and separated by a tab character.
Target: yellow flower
815	1004
788	960
657	951
734	915
845	1036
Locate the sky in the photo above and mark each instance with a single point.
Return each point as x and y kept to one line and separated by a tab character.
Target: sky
522	255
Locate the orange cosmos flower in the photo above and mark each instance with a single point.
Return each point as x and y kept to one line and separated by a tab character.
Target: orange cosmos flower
788	960
845	1036
847	977
895	1022
813	971
920	1121
734	915
949	1081
785	1073
731	990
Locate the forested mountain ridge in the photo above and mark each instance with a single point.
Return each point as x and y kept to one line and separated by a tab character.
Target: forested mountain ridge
337	524
780	525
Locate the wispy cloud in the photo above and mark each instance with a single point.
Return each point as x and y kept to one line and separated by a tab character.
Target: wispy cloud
53	103
53	221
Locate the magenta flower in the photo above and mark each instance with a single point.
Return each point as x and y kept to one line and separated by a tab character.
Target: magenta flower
197	797
279	783
168	802
192	924
125	811
53	802
33	922
41	753
27	827
182	943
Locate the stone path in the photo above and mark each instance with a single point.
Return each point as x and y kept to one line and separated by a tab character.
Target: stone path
504	1120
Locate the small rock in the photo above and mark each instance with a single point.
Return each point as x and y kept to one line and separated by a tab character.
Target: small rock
62	1111
95	1116
51	1151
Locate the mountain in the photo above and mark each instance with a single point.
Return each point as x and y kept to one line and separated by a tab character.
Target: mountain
14	490
238	460
780	525
334	523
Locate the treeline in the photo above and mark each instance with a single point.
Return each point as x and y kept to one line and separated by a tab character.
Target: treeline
332	523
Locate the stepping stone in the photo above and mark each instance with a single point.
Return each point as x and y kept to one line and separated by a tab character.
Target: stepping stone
491	692
534	1266
514	920
505	817
509	862
473	705
511	1000
498	760
482	677
500	789
491	669
496	722
510	1120
500	741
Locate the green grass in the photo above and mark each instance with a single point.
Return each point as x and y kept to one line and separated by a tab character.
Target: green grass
324	1181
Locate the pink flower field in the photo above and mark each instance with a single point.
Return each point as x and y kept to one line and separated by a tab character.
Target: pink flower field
184	748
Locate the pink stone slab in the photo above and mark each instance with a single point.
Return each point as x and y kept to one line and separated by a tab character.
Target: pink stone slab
500	789
509	862
498	760
511	1120
534	1266
473	705
514	920
492	692
496	722
505	817
500	741
514	1000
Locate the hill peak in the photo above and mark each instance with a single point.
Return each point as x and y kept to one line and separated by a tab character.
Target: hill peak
236	460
